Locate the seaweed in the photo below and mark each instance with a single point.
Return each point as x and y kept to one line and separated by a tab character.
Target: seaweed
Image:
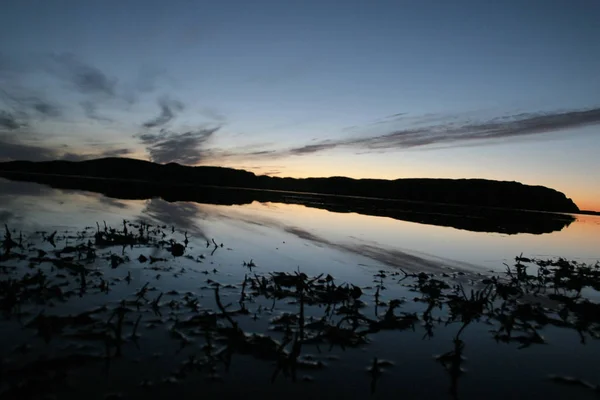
305	313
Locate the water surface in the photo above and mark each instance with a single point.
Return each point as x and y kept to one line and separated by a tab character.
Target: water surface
260	228
352	248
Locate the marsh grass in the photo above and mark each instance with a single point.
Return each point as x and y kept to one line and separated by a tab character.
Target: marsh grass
320	313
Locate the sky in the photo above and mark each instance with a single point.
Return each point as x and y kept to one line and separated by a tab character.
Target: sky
506	90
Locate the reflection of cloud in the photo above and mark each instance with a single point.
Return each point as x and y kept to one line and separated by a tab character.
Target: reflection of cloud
11	189
115	203
387	256
391	257
167	112
13	206
183	148
182	215
6	216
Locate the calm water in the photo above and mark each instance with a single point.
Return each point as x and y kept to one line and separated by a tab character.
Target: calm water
313	237
350	247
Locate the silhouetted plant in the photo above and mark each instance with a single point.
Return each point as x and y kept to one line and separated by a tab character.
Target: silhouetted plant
319	311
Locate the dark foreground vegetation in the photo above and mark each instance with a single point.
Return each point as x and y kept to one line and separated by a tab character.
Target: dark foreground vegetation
465	192
473	218
191	341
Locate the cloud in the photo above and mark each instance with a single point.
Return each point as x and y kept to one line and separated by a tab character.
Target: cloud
88	156
272	172
45	108
12	148
453	133
75	157
89	108
26	104
9	121
84	78
116	153
213	114
438	134
182	148
147	78
313	148
167	112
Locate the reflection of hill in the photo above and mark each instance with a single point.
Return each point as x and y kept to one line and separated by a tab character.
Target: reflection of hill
466	192
473	218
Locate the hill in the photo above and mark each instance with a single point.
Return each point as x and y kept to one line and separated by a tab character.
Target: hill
464	192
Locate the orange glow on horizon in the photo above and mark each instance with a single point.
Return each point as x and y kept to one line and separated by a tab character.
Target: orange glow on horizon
586	200
298	167
588	205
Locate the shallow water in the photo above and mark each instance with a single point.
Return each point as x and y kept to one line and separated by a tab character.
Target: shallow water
282	237
258	231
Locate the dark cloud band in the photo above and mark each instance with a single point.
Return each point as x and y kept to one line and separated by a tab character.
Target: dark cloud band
182	148
168	109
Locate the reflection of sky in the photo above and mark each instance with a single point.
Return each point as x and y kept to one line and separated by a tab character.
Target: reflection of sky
275	75
314	238
256	231
577	241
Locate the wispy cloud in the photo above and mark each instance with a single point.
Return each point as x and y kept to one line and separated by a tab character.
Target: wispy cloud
12	148
272	172
45	108
521	125
116	153
94	86
83	77
90	156
441	134
90	111
314	148
444	133
21	107
9	121
168	109
24	145
457	134
213	115
183	148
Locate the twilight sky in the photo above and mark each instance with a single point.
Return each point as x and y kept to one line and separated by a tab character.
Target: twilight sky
504	90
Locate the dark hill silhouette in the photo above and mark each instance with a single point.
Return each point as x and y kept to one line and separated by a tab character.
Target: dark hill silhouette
464	192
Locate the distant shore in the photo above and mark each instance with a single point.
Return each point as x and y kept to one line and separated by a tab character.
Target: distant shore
466	217
463	192
588	212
